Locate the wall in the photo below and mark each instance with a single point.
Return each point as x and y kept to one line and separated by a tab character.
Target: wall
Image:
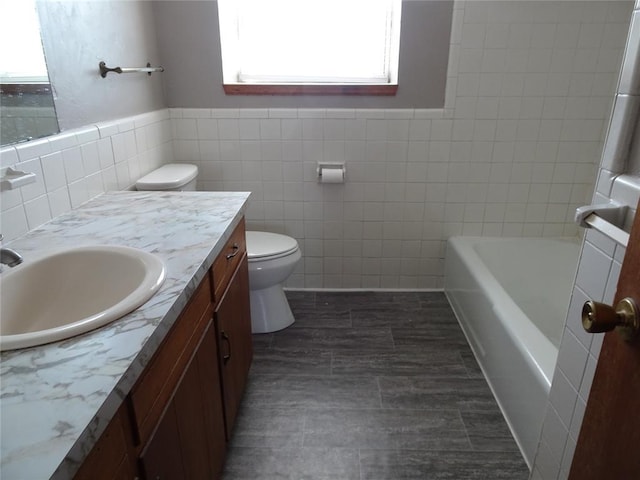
513	153
77	35
195	80
79	164
113	132
596	279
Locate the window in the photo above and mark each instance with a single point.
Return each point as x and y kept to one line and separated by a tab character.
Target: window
21	58
310	46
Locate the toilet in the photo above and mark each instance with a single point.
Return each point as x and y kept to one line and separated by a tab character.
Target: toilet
272	257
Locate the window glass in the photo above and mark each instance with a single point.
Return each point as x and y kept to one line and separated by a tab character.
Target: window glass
305	41
19	27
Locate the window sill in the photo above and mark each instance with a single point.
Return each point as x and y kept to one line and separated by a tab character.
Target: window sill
309	89
18	88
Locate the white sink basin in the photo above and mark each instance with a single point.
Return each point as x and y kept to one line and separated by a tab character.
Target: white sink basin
70	292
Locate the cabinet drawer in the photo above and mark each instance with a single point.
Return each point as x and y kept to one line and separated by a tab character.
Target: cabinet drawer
228	260
153	390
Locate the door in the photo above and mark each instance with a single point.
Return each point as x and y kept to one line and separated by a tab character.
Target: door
608	442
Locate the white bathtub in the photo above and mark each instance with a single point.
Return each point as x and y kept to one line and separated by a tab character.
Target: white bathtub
511	297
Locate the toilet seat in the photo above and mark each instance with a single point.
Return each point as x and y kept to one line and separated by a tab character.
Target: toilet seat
267	246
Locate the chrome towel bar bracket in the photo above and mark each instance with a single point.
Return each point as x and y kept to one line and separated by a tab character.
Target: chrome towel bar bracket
148	69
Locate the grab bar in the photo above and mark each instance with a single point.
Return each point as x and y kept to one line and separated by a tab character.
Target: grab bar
616	234
604	218
148	69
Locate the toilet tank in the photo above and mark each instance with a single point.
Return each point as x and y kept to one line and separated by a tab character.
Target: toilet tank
172	176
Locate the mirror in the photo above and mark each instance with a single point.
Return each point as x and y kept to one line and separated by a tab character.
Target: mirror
26	98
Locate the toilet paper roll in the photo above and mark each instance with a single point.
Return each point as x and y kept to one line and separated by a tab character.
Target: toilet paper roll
332	175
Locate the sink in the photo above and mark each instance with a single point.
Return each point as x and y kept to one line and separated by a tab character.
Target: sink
69	292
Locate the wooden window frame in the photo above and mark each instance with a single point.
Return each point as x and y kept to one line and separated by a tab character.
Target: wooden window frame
18	88
310	89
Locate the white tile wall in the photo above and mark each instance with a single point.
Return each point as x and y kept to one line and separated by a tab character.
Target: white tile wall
514	151
577	358
77	165
596	280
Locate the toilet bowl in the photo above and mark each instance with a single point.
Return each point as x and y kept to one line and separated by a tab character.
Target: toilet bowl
272	257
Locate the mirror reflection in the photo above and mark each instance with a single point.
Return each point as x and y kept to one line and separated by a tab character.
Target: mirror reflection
26	98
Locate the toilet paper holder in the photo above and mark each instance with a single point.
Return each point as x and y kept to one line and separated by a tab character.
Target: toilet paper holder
331	172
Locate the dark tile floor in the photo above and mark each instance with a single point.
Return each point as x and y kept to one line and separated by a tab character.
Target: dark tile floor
369	386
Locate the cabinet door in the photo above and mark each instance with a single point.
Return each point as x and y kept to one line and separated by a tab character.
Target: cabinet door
233	326
191	428
213	417
162	458
200	416
112	456
189	441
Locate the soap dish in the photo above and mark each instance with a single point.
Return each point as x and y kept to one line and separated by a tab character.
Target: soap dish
11	179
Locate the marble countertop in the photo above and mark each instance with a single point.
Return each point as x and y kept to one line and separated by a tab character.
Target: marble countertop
56	399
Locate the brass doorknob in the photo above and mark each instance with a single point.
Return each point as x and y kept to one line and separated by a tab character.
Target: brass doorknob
599	317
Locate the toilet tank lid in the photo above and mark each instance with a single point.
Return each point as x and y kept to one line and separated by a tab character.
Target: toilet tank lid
266	244
171	175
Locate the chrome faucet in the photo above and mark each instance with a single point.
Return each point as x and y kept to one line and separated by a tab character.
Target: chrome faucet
9	257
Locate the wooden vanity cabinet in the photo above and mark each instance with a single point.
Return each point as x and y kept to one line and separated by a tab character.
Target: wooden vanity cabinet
175	422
